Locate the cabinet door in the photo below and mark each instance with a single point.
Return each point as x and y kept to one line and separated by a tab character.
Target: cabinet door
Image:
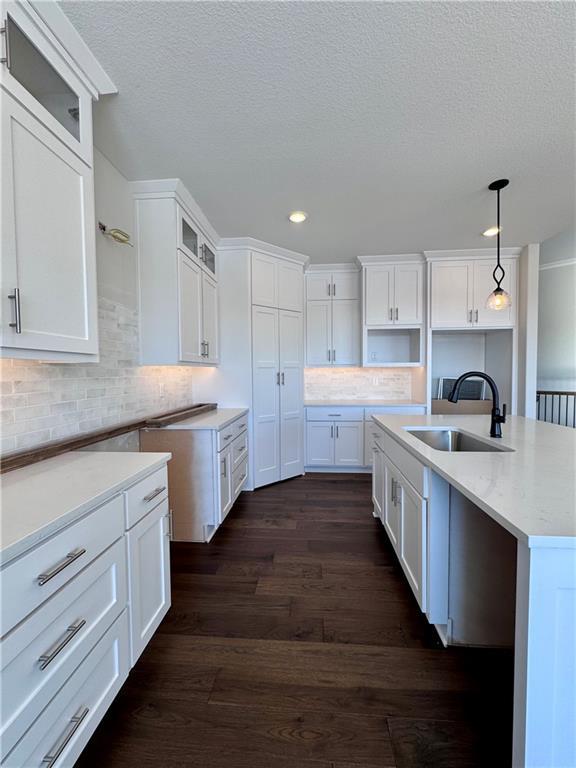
412	553
346	285
208	258
346	333
210	319
319	443
318	286
291	394
319	333
264	280
451	294
378	295
290	286
349	444
391	511
408	294
188	237
484	285
266	395
48	246
190	309
378	482
149	576
225	475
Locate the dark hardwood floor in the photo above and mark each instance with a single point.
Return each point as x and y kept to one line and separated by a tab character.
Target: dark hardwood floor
294	642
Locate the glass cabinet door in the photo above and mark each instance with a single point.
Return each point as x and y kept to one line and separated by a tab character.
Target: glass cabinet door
35	73
189	237
208	258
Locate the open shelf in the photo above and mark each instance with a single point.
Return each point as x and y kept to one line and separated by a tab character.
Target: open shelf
392	347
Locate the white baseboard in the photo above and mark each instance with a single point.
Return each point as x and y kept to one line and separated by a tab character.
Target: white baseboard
341	470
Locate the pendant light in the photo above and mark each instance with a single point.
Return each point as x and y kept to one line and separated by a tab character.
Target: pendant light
498	299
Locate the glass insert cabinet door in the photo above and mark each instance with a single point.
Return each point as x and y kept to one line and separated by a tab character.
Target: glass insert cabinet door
189	237
208	258
35	73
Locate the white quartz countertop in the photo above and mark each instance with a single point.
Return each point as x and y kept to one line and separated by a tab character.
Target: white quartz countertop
530	491
40	499
364	403
216	419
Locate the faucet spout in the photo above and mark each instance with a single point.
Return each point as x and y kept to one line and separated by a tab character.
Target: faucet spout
497	418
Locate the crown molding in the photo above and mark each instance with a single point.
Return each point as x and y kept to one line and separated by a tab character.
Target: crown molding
268	249
472	253
342	267
557	264
391	258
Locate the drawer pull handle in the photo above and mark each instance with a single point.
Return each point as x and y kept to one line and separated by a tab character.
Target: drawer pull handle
227	437
241	479
242	450
334	414
51	757
154	493
68	560
49	656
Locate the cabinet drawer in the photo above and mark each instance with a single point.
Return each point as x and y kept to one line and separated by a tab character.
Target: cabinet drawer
239	450
42	652
145	495
416	473
240	425
224	437
239	476
61	732
37	575
327	413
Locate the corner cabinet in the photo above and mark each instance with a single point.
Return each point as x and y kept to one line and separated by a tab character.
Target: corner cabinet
178	277
49	299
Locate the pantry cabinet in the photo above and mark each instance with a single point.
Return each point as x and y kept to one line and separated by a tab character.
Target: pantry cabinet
276	283
177	270
48	308
459	290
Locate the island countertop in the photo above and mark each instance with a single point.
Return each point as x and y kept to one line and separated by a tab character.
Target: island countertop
42	498
529	490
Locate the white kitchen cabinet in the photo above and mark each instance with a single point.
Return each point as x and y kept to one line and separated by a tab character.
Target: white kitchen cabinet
319	444
318	286
277	283
371	431
225	474
412	551
349	444
459	290
177	266
393	294
391	517
277	344
333	334
149	576
319	333
322	284
334	438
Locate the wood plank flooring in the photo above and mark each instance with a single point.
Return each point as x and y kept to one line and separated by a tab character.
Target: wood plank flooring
293	641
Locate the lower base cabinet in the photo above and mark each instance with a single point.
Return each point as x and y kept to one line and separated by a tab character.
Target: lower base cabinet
338	444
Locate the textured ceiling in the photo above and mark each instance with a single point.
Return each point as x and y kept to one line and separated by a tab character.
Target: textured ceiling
384	121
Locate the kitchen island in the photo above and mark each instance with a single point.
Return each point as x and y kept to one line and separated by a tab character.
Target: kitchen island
525	483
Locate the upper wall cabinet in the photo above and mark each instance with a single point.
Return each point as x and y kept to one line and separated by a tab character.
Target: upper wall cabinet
49	300
393	294
459	289
177	271
337	284
277	283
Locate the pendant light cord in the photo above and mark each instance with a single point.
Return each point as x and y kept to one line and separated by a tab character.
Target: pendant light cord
498	267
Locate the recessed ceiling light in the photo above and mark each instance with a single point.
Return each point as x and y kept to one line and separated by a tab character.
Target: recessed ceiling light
491	232
297	217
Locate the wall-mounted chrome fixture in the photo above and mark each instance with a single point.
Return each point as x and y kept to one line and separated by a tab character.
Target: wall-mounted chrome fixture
118	235
498	299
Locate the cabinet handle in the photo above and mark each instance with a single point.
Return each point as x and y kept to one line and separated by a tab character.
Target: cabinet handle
337	431
227	437
337	415
332	430
333	355
71	632
470	316
328	355
170	528
476	315
224	467
393	491
52	756
282	377
242	479
396	313
333	289
329	289
154	493
390	313
278	378
6	59
68	560
17	324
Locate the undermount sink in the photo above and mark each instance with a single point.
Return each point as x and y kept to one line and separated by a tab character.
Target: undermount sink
453	441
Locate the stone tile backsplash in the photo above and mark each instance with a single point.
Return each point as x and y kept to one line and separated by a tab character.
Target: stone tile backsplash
353	383
48	401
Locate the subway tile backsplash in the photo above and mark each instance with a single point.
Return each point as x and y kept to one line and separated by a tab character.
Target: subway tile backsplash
49	401
353	383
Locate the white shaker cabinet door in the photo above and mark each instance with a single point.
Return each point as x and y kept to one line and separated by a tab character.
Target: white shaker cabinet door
484	284
412	552
264	280
149	576
346	333
225	475
408	294
291	333
190	309
379	295
48	245
290	286
319	333
346	285
451	294
266	395
319	443
210	319
318	286
349	443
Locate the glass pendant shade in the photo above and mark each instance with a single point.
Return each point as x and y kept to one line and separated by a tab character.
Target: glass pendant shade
498	300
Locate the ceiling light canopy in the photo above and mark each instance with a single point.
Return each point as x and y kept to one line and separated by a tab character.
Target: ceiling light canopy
498	299
491	232
297	217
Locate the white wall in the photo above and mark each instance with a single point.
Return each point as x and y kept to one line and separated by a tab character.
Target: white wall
44	401
557	313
